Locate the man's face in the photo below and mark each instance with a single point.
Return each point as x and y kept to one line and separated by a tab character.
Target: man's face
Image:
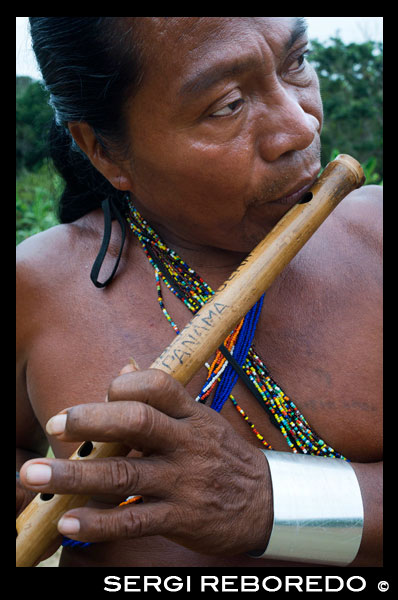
227	121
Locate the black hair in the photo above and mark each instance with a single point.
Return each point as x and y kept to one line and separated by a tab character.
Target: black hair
90	67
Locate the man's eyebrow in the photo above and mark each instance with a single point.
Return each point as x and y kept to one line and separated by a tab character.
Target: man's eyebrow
216	73
299	30
209	77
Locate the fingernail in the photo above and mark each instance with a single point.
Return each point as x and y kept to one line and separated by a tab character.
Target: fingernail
68	525
56	425
127	369
38	474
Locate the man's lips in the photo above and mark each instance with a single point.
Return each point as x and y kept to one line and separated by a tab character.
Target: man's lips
294	196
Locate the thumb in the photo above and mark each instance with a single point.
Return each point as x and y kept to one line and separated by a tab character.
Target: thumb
129	368
132	366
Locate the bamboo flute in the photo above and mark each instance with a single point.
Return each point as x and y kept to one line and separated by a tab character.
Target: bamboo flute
37	524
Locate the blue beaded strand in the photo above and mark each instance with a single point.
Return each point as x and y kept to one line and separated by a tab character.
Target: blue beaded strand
68	543
241	349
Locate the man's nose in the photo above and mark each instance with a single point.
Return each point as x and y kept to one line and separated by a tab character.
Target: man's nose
284	126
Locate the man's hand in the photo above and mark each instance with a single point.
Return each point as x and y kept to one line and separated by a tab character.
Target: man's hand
204	486
23	496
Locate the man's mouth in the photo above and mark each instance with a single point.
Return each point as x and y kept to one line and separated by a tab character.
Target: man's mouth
294	196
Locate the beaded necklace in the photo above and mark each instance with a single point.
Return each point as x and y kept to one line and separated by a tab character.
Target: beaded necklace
190	288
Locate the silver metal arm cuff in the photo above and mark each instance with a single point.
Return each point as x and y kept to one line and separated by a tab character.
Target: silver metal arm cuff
318	510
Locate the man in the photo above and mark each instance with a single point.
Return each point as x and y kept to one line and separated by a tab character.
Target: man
225	138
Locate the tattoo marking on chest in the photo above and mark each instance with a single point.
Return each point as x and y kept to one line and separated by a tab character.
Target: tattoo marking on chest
189	338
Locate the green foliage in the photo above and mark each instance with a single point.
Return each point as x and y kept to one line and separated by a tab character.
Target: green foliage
22	83
351	87
33	118
351	82
35	193
369	166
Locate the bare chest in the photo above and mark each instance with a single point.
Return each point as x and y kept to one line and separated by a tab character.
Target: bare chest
319	353
322	351
310	362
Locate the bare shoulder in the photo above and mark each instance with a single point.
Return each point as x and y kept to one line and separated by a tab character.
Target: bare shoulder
46	265
42	254
37	260
345	255
50	259
53	273
360	214
352	247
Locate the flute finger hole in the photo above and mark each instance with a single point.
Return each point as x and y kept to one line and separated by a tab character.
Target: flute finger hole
46	497
306	198
85	449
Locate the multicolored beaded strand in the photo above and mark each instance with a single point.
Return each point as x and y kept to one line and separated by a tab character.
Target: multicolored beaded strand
194	292
189	287
68	543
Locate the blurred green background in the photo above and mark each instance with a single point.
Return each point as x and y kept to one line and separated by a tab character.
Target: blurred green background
351	87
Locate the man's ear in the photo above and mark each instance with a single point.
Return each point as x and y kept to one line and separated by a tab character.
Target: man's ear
86	139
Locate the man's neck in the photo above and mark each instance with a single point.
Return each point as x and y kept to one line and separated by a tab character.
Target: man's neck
213	264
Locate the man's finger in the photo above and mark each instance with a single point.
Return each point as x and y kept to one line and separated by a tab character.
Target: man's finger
120	476
135	424
156	388
129	368
126	522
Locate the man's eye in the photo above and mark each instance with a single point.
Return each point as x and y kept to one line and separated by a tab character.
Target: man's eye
229	109
295	66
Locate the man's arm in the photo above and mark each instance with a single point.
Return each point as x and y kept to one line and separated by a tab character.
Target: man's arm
204	486
370	478
363	216
31	441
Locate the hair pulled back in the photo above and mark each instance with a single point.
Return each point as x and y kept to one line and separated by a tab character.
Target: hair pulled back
90	66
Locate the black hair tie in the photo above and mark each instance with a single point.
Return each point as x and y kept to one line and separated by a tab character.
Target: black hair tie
109	208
